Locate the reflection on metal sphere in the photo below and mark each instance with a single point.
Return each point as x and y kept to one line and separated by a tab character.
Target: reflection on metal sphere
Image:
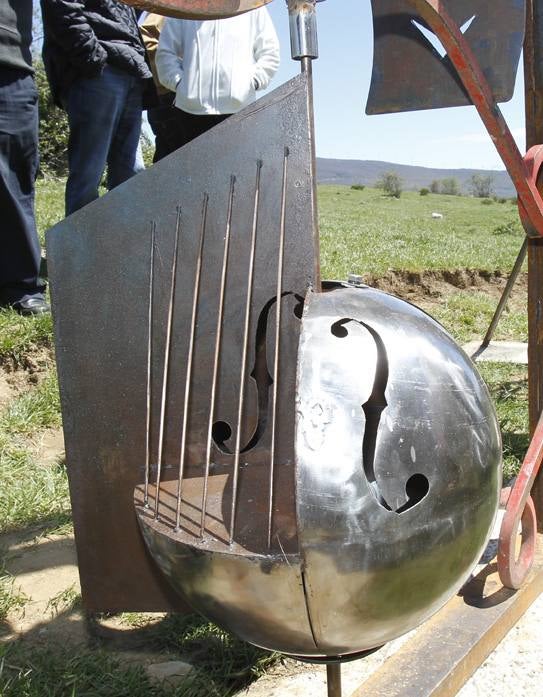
397	477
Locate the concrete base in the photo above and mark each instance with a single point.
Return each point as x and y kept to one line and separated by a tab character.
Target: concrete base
498	352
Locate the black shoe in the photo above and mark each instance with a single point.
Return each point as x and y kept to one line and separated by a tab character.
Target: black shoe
34	305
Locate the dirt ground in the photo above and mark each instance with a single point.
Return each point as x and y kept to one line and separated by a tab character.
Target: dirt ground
45	568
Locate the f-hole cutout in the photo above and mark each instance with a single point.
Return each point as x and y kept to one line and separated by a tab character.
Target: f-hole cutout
339	329
221	432
417	486
260	375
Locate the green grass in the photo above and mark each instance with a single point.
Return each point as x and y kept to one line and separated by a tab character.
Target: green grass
32	494
361	232
467	314
20	336
11	598
222	666
366	232
49	203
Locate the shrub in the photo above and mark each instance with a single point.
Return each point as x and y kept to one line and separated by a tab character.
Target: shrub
53	128
358	187
391	184
481	186
487	201
450	186
424	192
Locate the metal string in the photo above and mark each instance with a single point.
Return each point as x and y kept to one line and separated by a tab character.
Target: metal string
167	362
216	359
149	365
196	295
243	375
279	292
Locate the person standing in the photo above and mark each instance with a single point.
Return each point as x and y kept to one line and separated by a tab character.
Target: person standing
215	67
20	255
162	117
97	69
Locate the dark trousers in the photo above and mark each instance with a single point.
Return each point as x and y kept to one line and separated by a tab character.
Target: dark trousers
163	119
19	247
104	114
174	128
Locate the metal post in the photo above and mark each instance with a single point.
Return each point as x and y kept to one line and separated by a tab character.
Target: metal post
505	296
533	75
333	677
304	48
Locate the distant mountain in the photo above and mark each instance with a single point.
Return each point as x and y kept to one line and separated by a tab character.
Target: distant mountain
367	172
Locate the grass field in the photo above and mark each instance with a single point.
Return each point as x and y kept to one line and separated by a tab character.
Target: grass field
362	232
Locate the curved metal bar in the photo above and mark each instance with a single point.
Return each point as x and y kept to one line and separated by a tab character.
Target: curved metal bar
514	568
434	13
198	9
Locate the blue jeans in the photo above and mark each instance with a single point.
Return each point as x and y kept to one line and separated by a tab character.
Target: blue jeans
19	247
104	114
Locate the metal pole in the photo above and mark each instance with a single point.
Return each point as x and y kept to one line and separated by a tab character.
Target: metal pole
533	76
333	678
304	48
505	296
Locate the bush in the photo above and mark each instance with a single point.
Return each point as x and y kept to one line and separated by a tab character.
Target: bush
481	186
358	187
424	192
391	184
434	186
450	186
53	129
487	201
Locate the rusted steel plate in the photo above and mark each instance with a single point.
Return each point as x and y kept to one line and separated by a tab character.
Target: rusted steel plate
99	266
458	638
198	9
410	74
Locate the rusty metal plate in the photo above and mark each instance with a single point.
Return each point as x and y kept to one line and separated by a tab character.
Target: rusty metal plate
99	265
198	9
410	73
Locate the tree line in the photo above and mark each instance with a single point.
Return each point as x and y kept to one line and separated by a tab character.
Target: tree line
479	186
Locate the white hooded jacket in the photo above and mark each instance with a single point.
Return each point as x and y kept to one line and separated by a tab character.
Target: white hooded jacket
216	66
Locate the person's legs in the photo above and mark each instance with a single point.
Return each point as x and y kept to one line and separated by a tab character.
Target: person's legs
122	160
164	123
95	107
20	253
190	126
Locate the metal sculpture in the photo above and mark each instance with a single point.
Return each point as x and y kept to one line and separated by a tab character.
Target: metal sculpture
314	466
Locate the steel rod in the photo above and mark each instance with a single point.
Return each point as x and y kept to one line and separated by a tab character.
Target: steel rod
149	366
506	294
243	376
333	679
186	401
278	295
304	48
218	336
167	352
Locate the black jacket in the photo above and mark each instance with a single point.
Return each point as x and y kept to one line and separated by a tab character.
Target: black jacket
16	34
81	36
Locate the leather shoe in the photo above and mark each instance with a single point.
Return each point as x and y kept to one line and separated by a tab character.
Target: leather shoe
34	305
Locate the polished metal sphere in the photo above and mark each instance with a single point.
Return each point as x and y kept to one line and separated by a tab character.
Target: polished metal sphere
397	480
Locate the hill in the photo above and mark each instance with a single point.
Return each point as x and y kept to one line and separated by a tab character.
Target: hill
367	172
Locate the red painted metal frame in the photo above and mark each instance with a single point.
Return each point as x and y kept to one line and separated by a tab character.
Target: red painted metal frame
435	14
513	567
198	9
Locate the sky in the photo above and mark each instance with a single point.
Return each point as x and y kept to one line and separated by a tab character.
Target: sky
448	138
